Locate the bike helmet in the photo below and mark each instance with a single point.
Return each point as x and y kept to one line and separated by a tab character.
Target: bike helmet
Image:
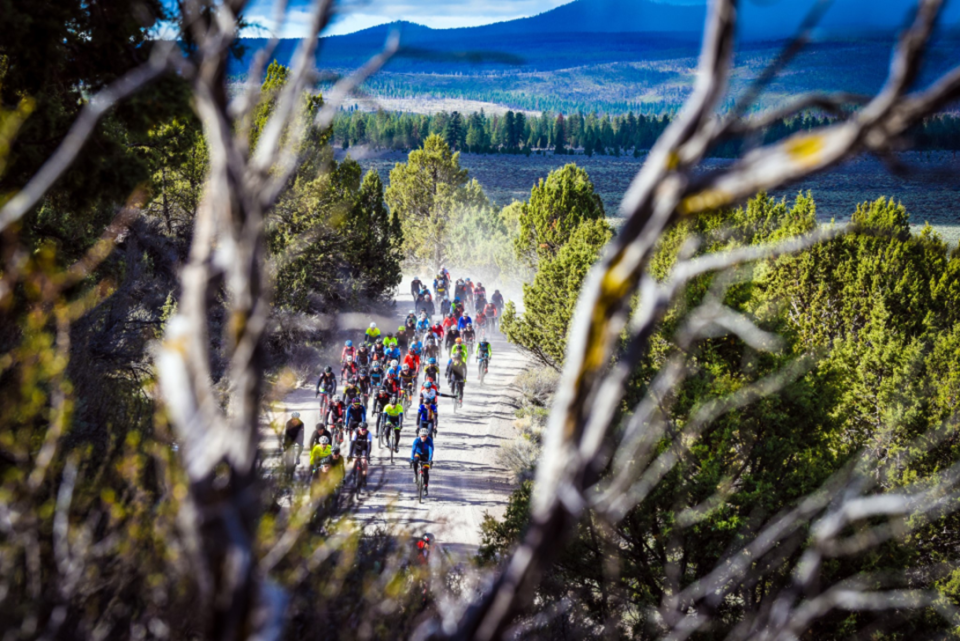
468	280
295	415
394	363
413	312
363	426
456	299
428	538
328	370
432	361
479	285
376	365
373	325
353	380
349	343
379	340
324	440
356	400
469	324
394	400
338	398
424	432
336	450
406	367
402	328
459	341
428	384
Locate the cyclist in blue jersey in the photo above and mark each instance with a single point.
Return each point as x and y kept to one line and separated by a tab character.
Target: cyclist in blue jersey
422	451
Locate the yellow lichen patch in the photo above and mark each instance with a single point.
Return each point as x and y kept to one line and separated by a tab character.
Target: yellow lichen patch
805	149
704	201
673	160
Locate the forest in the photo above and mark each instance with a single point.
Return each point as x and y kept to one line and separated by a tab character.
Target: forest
518	132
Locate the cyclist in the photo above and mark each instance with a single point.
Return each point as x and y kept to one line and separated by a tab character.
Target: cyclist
457	308
408	378
428	392
437	330
423	325
363	382
360	448
456	371
393	419
479	296
389	341
469	338
484	353
319	452
413	360
338	467
372	334
337	411
403	337
449	322
410	322
497	300
349	368
393	353
416	286
422	451
391	383
432	346
351	390
356	413
444	306
452	336
432	371
468	290
459	349
327	382
293	436
427	416
459	288
427	305
348	351
364	357
319	432
378	349
440	285
481	322
376	374
464	321
423	548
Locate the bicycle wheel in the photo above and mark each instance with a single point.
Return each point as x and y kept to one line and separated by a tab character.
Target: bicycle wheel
390	446
419	484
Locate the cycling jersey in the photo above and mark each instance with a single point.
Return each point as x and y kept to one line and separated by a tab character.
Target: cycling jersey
461	351
490	310
318	453
409	378
423	449
373	333
376	377
360	445
437	330
391	386
464	321
423	326
469	335
351	391
431	371
327	383
459	372
347	351
393	354
413	361
394	413
389	342
356	414
484	349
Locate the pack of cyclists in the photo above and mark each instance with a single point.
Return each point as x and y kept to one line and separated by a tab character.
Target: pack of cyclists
381	373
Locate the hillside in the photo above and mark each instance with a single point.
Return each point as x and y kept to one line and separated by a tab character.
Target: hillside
617	55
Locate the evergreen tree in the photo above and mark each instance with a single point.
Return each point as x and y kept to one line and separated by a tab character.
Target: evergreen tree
556	208
559	136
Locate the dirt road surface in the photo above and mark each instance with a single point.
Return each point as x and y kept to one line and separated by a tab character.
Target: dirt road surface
467	480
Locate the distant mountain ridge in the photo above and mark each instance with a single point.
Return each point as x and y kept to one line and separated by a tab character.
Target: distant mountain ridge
618	55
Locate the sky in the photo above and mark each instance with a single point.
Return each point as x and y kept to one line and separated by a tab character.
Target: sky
439	14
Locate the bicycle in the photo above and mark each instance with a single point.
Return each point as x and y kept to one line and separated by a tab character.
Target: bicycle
470	345
419	470
393	443
484	366
406	394
457	389
324	402
358	479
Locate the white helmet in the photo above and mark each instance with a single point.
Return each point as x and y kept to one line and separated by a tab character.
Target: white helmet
394	363
373	325
295	415
424	432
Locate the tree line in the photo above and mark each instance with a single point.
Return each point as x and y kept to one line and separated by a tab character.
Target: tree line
577	133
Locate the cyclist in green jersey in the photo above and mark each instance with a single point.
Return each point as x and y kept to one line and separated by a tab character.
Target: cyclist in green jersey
393	415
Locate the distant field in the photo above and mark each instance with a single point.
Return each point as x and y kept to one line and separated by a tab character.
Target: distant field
931	192
433	106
